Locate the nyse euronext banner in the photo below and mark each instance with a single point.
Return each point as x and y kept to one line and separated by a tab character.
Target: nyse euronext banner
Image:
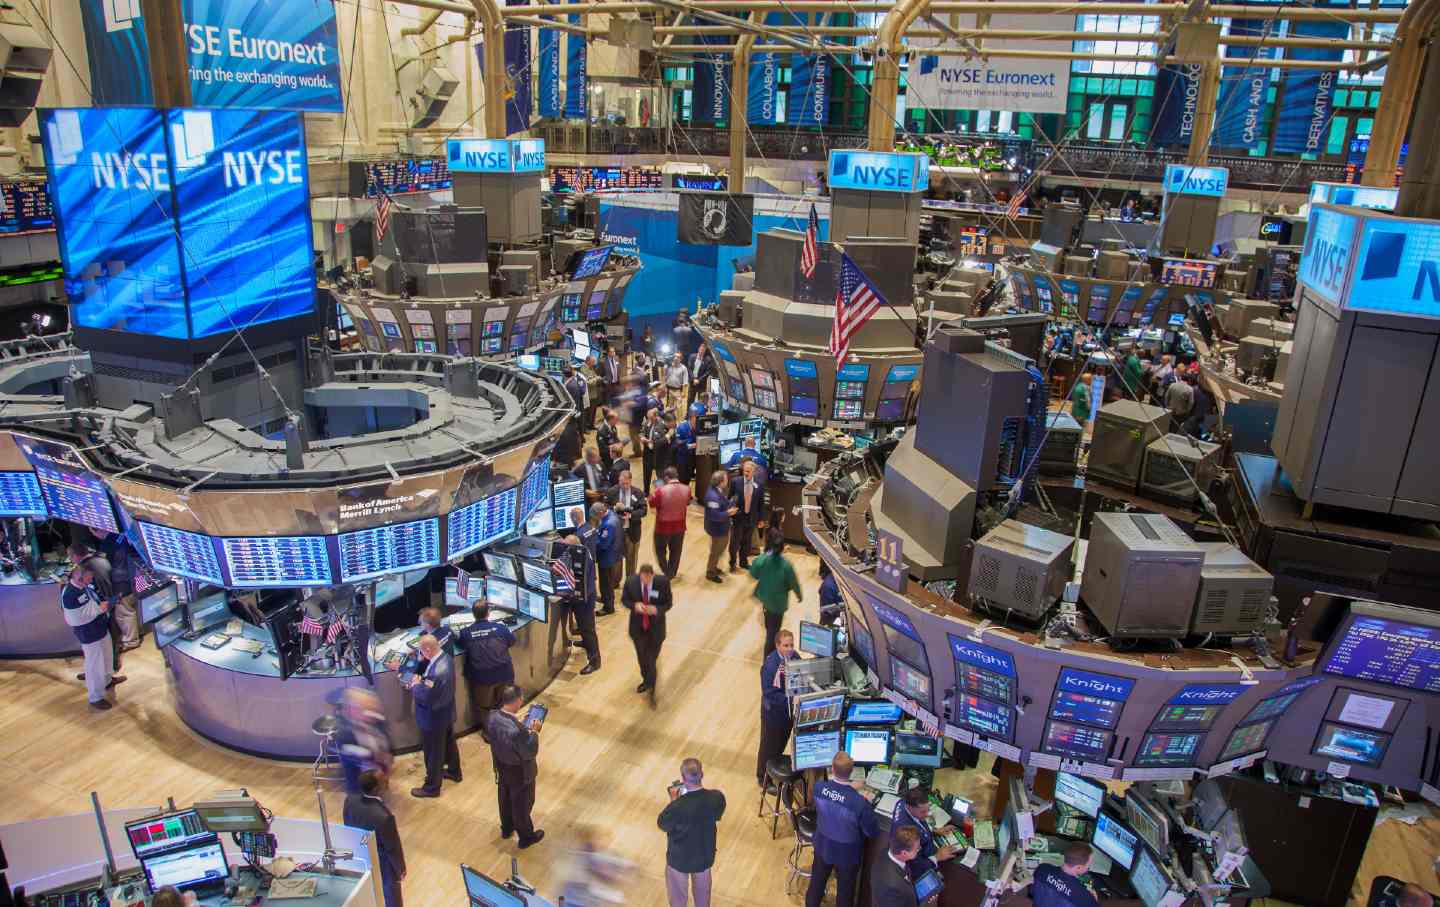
936	82
263	54
181	223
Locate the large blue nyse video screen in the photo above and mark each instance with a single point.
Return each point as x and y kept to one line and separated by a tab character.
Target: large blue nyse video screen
206	205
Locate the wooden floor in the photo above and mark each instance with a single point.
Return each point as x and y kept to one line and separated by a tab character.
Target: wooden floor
605	758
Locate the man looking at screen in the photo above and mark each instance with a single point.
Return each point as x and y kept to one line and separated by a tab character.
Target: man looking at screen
1061	886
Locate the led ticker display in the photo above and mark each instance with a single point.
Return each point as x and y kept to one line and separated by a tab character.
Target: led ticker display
72	492
369	553
26	208
481	523
1388	651
282	561
399	177
1187	273
595	179
20	495
181	553
1168	750
22	277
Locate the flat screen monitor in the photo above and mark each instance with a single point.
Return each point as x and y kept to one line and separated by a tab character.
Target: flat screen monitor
849	410
198	866
388	589
501	565
174	831
728	449
475	591
1114	840
1005	832
874	711
533	604
985	716
208	611
484	891
1168	750
1187	273
502	594
530	362
589	263
1246	740
1148	879
728	431
1388	644
541	521
159	601
1085	708
918	749
1351	744
538	576
805	407
170	627
860	642
569	494
1079	794
226	816
911	681
563	518
927	885
1077	741
817	710
1147	821
868	746
816	639
889	410
20	495
815	749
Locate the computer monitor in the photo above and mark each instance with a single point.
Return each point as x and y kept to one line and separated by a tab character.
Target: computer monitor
1079	794
818	708
911	681
876	711
1005	833
209	610
475	592
501	593
817	639
171	831
728	431
868	746
1148	820
815	749
201	865
538	576
1114	840
159	601
484	891
232	814
918	749
1149	879
541	521
388	589
1350	744
533	604
501	565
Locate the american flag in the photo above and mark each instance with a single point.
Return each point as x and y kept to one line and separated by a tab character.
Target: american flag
562	570
810	255
382	216
312	627
855	301
334	632
1015	202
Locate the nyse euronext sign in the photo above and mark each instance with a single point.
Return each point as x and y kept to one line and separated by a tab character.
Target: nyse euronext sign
495	155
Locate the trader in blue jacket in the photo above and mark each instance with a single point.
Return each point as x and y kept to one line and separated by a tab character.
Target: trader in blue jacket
609	553
88	617
914	810
433	690
776	721
843	820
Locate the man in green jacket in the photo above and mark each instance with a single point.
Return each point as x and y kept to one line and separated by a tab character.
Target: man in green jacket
774	581
1080	400
1134	375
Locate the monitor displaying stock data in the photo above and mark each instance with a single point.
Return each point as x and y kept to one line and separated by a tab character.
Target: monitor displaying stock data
816	639
278	562
818	710
815	749
538	576
1076	741
72	492
369	553
875	711
20	495
532	604
482	523
1079	794
535	488
1115	840
1380	647
981	715
1168	750
502	566
181	553
501	593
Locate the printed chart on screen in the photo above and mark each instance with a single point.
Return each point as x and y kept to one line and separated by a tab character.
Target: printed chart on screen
387	549
281	561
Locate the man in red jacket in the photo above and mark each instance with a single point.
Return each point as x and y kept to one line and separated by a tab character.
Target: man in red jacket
671	502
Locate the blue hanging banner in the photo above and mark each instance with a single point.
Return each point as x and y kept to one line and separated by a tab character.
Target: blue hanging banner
808	101
710	93
1240	109
1308	95
577	105
762	104
1177	94
517	70
550	73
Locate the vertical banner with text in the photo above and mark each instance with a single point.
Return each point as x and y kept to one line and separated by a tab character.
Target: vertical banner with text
1244	90
550	73
518	102
576	85
1308	95
808	101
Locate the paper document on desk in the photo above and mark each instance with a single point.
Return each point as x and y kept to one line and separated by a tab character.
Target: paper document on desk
985	834
285	889
939	818
972	856
885	806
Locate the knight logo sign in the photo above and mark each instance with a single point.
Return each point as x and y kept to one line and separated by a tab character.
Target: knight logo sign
955	82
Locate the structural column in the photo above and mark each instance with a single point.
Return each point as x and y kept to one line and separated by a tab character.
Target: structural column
885	87
739	110
1399	92
1420	186
1199	151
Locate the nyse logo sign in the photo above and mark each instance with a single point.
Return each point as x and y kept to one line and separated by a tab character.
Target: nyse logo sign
121	15
495	155
193	138
1328	243
1399	269
879	171
1181	179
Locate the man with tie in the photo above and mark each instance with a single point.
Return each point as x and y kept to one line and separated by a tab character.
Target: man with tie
610	373
647	597
592	473
607	437
366	809
609	553
890	882
575	385
776	720
579	552
618	464
515	744
913	811
747	496
433	689
629	504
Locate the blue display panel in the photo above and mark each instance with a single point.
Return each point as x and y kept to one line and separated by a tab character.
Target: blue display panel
1350	744
1168	750
252	53
369	553
1086	709
878	171
481	523
1388	651
1397	270
854	371
20	495
25	207
1184	179
1329	242
181	553
1275	705
1374	197
71	491
110	182
282	561
495	155
1106	686
535	489
801	368
243	203
591	263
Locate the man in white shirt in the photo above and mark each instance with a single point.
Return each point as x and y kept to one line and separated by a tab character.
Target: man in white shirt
677	379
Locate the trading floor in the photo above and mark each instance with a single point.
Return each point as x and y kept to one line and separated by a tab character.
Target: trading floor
605	759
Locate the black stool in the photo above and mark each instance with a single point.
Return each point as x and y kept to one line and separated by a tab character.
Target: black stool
802	822
780	780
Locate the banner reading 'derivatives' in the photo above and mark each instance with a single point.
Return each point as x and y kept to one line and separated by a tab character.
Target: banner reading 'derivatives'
936	82
260	54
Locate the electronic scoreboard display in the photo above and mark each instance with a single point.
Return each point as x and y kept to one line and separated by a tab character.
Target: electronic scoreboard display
72	492
26	207
181	553
20	495
405	175
482	523
280	561
535	489
369	553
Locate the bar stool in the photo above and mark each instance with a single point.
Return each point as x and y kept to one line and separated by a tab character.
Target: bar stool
802	822
780	780
327	765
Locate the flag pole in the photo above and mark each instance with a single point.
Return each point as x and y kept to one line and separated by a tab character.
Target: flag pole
915	328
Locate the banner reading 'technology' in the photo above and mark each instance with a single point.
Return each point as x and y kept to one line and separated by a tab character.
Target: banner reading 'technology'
260	54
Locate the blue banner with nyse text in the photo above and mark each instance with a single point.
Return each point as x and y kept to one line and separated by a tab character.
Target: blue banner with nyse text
1307	96
1244	90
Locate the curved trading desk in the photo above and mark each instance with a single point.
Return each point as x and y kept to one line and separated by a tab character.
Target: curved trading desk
31	622
240	701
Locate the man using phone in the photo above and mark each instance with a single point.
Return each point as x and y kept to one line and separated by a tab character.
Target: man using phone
689	822
89	619
515	743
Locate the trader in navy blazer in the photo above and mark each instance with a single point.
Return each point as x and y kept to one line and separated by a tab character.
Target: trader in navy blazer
843	820
913	811
434	692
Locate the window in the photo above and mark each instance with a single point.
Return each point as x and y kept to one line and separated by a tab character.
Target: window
1095	124
1117	122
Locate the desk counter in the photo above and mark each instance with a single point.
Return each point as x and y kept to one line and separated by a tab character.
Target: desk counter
240	701
31	622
